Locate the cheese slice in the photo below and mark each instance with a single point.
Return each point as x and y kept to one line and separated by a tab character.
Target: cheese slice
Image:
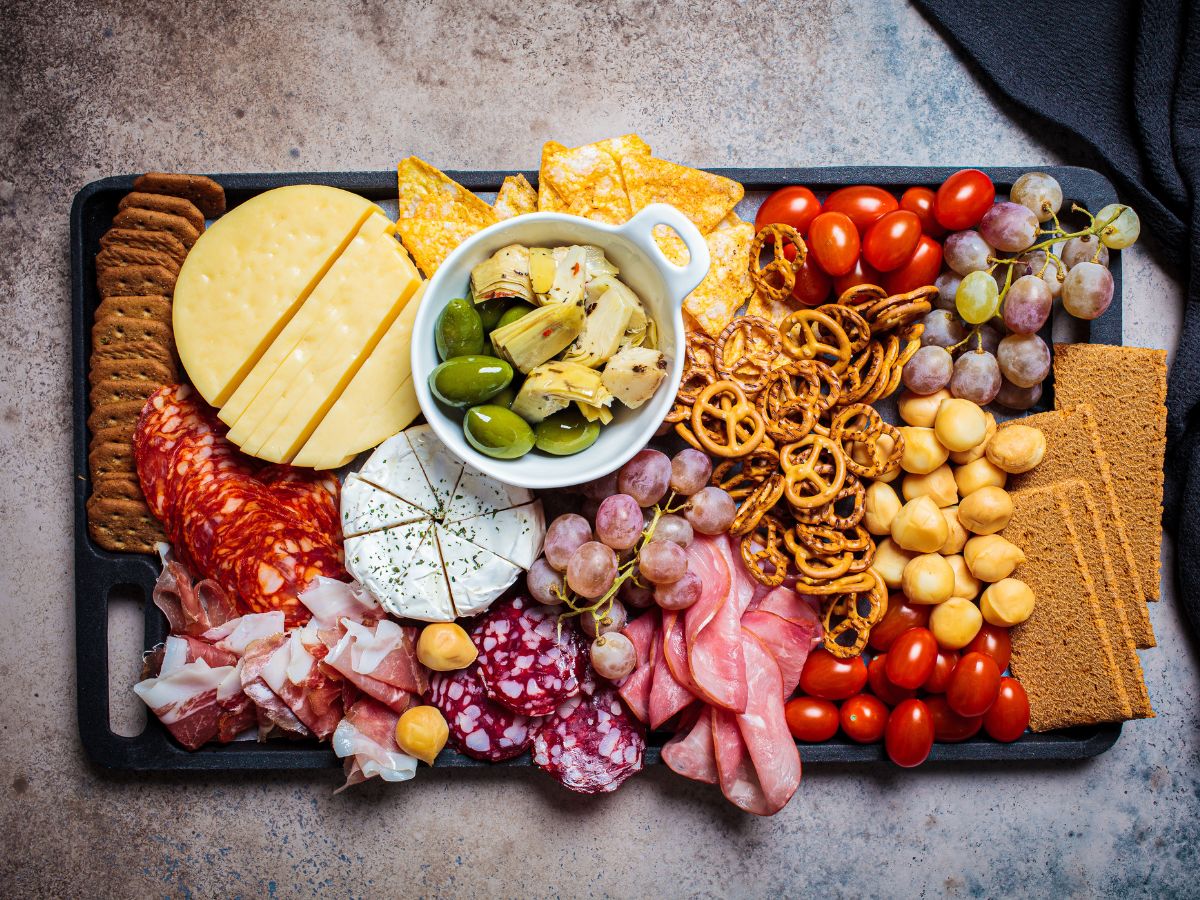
379	401
380	560
249	273
424	593
514	534
441	467
394	468
367	508
316	313
476	494
359	304
476	576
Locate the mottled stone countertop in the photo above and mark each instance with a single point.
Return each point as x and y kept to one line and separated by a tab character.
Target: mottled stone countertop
90	89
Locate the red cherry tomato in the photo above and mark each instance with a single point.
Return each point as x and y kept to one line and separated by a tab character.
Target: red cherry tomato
908	736
864	718
948	726
1009	716
920	269
830	678
833	242
963	198
864	204
811	719
796	206
900	616
911	658
993	641
860	274
881	687
974	685
812	285
943	668
890	242
919	200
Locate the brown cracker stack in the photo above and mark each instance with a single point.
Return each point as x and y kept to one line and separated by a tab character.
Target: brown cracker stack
1127	386
144	369
149	220
176	206
146	240
123	526
120	255
135	350
1063	653
1073	451
200	190
135	281
143	307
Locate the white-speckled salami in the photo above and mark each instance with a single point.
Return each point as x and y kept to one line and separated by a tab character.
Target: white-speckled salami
478	727
525	664
592	744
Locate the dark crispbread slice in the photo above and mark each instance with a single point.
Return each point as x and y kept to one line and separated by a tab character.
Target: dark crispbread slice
147	239
118	329
176	206
201	190
149	307
111	458
117	487
135	281
1090	534
149	220
135	349
115	415
1073	451
118	390
115	434
1062	653
123	526
1128	388
144	369
120	255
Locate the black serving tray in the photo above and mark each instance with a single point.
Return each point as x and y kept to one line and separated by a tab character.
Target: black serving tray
99	574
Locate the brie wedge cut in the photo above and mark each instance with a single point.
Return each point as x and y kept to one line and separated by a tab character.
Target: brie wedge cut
367	508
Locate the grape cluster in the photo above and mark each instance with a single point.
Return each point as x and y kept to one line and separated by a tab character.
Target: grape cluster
1002	278
631	553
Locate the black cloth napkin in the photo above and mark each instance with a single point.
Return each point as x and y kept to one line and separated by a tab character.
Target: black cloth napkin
1123	76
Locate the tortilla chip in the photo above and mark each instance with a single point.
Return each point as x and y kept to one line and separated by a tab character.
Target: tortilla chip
701	196
516	197
429	242
671	244
774	311
727	284
548	198
624	145
588	180
426	193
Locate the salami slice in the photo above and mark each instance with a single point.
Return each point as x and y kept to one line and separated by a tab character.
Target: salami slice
592	744
525	663
478	727
167	416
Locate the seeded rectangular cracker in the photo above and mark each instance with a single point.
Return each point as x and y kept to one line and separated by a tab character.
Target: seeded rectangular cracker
135	281
516	197
119	255
145	239
118	390
176	206
117	487
123	526
207	194
725	288
116	435
115	415
115	329
150	220
1127	387
153	349
111	458
144	369
1063	653
148	307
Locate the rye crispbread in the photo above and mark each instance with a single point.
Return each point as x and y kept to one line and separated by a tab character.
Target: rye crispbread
120	255
176	206
118	390
135	281
144	369
1062	654
149	220
201	190
123	526
1073	451
111	458
147	239
1127	386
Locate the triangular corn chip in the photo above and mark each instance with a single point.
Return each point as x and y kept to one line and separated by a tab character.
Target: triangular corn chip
701	196
624	145
426	193
429	242
588	180
548	199
727	285
516	197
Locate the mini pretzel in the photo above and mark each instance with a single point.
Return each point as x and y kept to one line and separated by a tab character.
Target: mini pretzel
684	430
807	484
900	309
694	381
739	477
851	620
862	374
738	428
757	504
855	326
777	278
812	334
745	352
680	412
760	547
859	425
700	352
828	515
825	540
861	296
855	583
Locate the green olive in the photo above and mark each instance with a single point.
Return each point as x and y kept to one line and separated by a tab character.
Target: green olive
469	380
513	313
490	312
565	433
496	431
505	398
459	330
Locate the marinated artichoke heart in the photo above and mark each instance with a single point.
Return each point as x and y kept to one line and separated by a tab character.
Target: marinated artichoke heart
641	330
569	277
596	264
608	319
504	274
601	414
634	374
554	386
539	335
541	270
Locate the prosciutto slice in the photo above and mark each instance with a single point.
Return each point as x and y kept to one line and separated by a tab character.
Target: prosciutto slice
178	650
690	753
192	700
190	608
330	601
366	740
380	661
271	709
712	626
234	636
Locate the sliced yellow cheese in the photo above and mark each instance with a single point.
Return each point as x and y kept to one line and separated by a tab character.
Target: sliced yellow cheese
312	315
380	400
359	304
249	273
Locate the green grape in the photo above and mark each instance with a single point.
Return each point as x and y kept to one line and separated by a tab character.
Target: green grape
977	297
1123	230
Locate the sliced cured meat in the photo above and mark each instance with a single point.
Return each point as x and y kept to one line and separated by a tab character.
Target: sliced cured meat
237	634
179	650
675	650
735	770
366	740
524	661
190	608
311	495
635	687
478	727
381	660
168	414
340	657
330	600
787	604
788	641
690	752
764	730
667	695
272	712
292	673
592	744
741	582
192	700
712	627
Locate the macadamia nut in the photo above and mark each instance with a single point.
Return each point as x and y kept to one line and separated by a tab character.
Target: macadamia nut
986	510
1006	603
923	452
1017	448
881	506
918	409
938	485
928	579
991	557
959	424
920	526
977	474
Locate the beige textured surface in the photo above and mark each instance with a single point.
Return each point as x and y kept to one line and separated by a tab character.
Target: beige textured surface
89	89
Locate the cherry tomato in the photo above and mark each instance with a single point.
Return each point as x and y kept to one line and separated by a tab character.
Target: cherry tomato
881	687
962	199
830	678
833	241
974	685
948	726
943	668
860	274
864	204
811	719
864	718
812	285
900	616
1009	716
911	658
908	736
921	269
890	242
796	206
993	641
919	200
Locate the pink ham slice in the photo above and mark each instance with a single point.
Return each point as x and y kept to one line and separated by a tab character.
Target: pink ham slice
787	604
788	641
690	753
675	650
712	627
667	695
764	730
735	770
635	687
